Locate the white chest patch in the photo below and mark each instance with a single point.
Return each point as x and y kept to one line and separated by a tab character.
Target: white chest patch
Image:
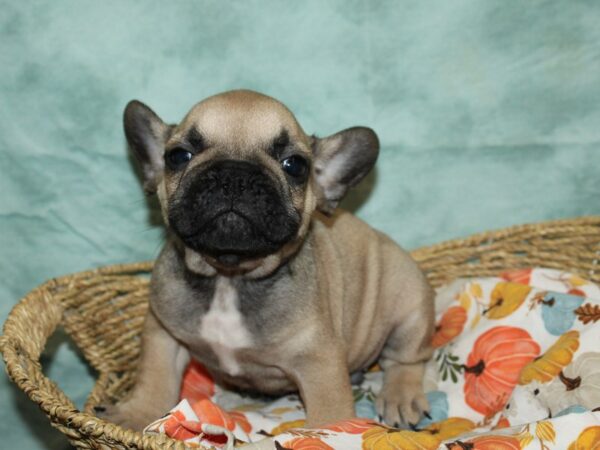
222	327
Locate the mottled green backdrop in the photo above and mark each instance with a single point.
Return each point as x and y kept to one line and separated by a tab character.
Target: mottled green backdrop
488	114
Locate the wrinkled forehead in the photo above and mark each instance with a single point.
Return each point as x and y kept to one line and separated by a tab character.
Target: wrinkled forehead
239	119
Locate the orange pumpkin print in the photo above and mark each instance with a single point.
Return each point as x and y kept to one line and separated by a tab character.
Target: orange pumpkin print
450	325
209	412
502	423
352	426
506	299
521	276
387	438
303	443
197	384
177	427
487	443
493	367
241	419
588	439
552	362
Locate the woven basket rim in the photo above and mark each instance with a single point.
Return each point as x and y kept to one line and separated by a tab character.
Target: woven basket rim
485	236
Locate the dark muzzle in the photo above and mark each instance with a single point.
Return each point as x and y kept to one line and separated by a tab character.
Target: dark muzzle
232	207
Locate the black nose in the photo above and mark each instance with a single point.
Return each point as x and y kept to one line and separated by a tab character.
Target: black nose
233	178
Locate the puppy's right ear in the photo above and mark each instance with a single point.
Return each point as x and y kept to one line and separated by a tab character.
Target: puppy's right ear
146	135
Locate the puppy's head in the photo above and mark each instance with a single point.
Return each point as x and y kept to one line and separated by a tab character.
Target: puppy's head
238	179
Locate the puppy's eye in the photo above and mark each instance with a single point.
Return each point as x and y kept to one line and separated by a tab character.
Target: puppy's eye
295	166
176	159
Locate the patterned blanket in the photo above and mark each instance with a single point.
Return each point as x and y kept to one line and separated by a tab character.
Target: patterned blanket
517	366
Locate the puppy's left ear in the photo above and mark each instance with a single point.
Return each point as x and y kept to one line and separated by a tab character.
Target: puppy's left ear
341	161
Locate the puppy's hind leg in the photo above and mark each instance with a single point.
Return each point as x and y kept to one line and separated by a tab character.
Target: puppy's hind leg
402	402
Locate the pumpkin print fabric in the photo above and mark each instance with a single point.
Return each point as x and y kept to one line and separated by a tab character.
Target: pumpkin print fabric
516	366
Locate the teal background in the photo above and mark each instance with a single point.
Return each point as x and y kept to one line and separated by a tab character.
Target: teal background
487	113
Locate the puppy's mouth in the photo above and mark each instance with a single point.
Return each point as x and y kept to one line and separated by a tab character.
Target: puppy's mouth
231	237
233	213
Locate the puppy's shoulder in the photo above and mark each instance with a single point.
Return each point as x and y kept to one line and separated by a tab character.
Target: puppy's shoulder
348	235
354	236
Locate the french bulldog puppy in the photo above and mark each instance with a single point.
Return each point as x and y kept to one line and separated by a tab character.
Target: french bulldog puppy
261	279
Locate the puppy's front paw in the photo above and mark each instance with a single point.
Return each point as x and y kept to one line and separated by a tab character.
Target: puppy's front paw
402	406
128	415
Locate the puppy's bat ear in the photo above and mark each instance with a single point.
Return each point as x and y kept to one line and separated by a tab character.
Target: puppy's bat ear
146	135
341	161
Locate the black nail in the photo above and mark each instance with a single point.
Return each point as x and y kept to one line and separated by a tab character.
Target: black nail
426	414
413	426
99	408
396	425
379	418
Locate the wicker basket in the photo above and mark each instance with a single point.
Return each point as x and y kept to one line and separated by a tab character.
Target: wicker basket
102	310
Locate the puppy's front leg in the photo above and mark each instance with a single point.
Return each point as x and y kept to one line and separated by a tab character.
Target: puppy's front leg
324	384
162	362
402	401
